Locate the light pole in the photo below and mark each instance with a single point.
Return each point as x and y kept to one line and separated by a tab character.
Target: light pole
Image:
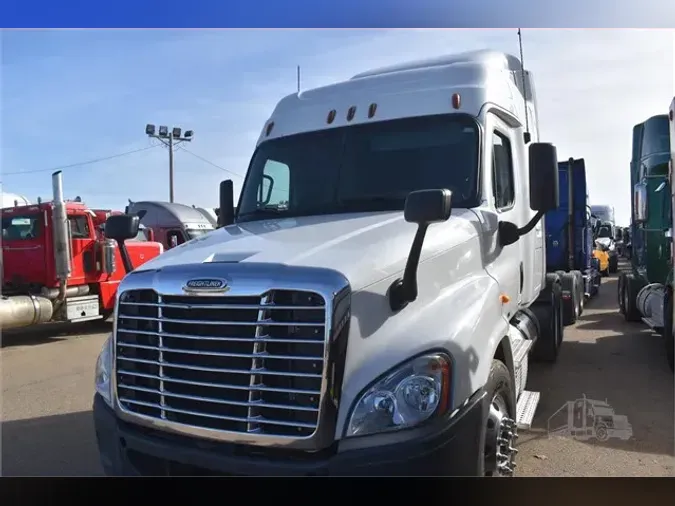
169	139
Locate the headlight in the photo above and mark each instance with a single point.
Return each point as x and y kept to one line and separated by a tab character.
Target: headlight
103	370
409	395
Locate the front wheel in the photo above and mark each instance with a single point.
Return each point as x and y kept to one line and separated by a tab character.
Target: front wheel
570	298
550	317
631	287
500	424
621	283
613	264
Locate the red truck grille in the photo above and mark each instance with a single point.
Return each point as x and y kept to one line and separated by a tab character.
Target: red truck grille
239	364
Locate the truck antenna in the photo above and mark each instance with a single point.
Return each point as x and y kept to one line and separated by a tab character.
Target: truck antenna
522	74
298	78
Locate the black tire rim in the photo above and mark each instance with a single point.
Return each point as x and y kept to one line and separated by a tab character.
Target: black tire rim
601	433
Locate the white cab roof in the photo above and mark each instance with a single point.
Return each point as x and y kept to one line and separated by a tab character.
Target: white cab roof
417	88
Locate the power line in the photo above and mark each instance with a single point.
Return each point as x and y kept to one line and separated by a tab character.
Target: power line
118	155
79	164
209	162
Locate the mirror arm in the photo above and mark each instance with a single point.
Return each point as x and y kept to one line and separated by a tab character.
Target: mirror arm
403	291
126	259
528	228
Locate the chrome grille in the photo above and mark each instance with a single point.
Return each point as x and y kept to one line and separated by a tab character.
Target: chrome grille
240	364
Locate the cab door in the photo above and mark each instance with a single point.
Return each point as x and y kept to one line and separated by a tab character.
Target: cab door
81	247
499	158
24	249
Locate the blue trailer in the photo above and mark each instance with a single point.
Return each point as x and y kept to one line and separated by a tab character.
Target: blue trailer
569	245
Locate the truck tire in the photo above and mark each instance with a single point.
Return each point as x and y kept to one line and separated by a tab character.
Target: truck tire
631	287
548	311
581	291
668	330
613	264
620	287
570	301
500	426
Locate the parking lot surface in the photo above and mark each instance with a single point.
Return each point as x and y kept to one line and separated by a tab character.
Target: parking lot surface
47	387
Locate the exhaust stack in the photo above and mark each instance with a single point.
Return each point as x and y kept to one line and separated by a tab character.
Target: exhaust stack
61	232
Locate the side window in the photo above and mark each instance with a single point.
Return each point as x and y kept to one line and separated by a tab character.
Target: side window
174	238
79	227
274	190
503	186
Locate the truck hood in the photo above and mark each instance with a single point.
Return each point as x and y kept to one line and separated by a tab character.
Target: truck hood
605	241
364	247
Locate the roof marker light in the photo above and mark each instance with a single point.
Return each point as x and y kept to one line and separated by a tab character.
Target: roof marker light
331	116
351	113
456	101
269	128
371	110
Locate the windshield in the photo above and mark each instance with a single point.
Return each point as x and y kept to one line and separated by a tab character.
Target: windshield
604	231
656	137
368	167
193	233
19	228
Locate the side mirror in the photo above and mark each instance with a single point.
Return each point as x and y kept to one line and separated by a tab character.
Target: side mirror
640	202
226	201
422	207
122	227
543	167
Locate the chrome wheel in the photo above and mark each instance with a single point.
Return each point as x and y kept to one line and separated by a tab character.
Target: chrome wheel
500	436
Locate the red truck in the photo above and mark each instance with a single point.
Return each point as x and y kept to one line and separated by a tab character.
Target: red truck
57	264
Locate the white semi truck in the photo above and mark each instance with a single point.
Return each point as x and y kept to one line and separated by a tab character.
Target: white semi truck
371	308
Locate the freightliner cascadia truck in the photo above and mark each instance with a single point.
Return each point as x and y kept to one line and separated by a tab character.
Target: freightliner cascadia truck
669	310
569	247
372	306
643	290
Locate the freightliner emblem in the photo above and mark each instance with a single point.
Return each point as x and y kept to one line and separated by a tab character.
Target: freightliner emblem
205	285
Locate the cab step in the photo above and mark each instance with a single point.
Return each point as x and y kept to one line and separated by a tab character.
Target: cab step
527	406
653	324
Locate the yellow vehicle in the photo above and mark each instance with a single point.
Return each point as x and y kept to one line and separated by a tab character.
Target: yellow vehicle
602	255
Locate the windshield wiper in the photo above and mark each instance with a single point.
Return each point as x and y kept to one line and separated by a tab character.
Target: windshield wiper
265	211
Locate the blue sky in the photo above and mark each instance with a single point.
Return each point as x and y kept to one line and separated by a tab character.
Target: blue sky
70	96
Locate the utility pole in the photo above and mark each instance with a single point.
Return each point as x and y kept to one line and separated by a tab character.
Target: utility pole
170	139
